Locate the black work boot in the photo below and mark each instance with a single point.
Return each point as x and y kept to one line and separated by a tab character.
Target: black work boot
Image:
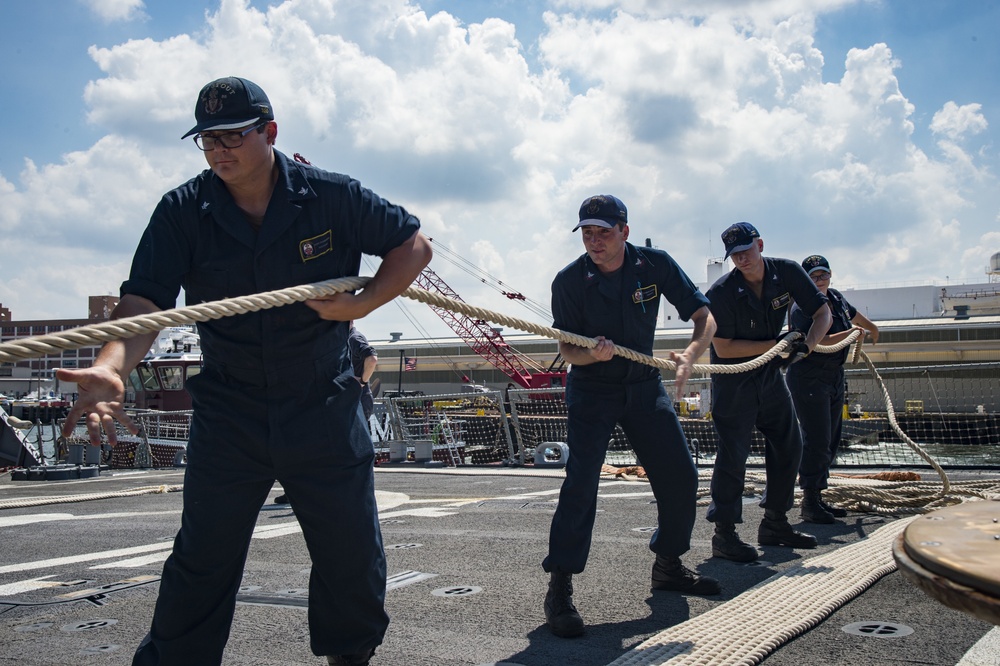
834	511
812	508
727	544
560	613
775	531
670	574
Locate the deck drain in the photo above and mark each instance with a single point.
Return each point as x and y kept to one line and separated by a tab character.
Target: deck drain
403	546
456	591
35	626
391	521
878	629
100	649
644	530
248	588
294	592
88	625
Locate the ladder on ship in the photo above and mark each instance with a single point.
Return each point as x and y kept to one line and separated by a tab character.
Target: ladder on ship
447	435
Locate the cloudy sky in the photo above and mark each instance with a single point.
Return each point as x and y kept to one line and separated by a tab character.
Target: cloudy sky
863	130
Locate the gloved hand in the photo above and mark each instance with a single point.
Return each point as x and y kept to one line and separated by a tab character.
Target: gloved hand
796	351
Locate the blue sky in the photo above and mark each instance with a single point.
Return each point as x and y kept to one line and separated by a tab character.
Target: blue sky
862	130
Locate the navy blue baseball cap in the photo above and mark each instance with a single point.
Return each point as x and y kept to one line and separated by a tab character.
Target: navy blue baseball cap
602	210
230	103
739	237
815	263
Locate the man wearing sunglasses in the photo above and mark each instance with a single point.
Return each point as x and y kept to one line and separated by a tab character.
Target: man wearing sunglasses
276	399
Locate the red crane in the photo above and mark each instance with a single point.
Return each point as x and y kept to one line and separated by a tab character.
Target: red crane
488	342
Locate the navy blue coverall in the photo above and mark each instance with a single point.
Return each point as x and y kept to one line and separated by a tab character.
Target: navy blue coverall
277	399
624	310
758	398
817	384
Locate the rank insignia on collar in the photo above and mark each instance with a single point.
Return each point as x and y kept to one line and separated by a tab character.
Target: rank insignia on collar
317	246
590	275
205	205
304	191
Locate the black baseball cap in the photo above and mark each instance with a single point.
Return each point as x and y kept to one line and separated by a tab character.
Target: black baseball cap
739	237
230	103
815	263
602	210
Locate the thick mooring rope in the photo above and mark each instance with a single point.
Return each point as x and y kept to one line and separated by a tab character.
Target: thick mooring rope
27	502
128	327
746	629
91	334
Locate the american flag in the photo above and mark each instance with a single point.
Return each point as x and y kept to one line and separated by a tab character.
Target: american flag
409	364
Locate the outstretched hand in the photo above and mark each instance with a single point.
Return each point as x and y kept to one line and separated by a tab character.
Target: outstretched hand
102	394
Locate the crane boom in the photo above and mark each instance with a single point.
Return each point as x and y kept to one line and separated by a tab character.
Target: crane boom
487	341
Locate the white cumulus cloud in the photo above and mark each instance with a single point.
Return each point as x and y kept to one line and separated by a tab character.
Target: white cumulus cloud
696	114
116	10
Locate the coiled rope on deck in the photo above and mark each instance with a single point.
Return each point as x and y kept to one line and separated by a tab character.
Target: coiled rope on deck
128	327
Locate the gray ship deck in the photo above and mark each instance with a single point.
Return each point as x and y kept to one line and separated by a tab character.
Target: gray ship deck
464	549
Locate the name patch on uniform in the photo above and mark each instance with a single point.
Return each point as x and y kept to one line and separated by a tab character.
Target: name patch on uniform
316	246
781	301
643	294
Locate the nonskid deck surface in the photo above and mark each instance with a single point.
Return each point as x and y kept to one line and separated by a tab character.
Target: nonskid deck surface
464	550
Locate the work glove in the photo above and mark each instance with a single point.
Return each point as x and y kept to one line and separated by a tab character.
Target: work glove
797	351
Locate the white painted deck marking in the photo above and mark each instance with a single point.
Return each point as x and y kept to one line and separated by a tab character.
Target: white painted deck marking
986	652
143	561
272	531
27	586
17	521
84	557
426	512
